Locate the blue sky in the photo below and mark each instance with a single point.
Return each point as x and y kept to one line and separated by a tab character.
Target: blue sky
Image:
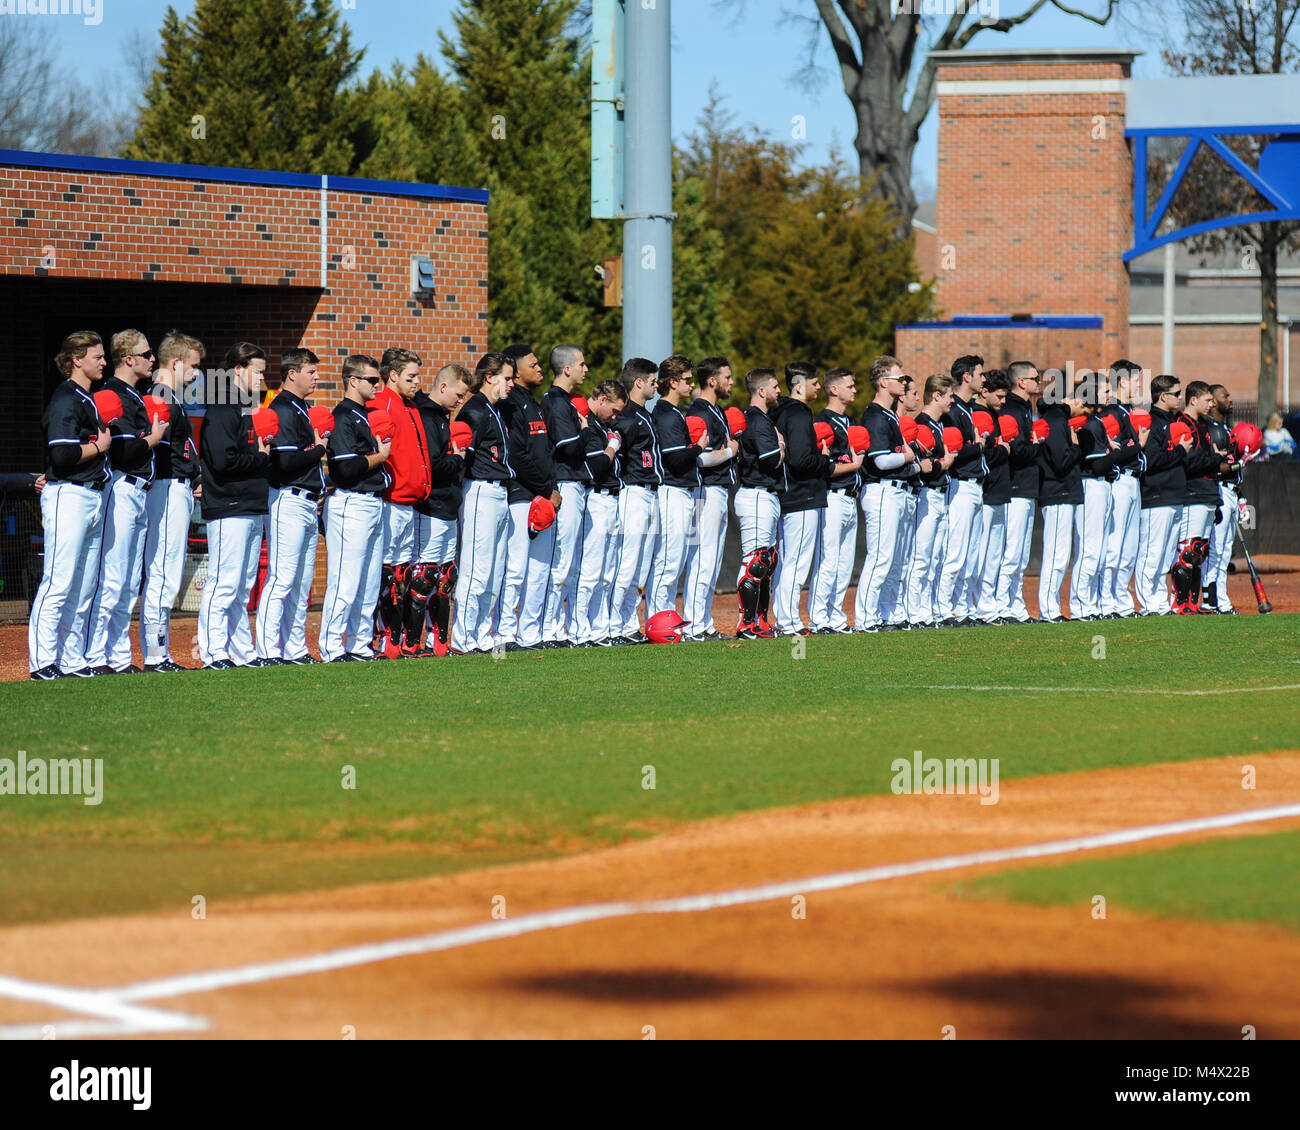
751	50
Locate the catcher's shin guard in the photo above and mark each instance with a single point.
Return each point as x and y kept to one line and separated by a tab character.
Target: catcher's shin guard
440	605
754	589
388	616
1186	575
422	585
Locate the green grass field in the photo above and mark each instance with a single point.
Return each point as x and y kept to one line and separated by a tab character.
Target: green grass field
226	783
1246	879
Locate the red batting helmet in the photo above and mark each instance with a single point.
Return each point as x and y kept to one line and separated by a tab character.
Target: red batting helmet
322	419
1008	427
266	423
1077	422
735	420
381	424
953	439
1041	429
109	406
983	422
908	427
462	435
1247	437
697	428
541	515
859	438
925	439
158	409
665	627
824	432
580	403
1111	425
1139	420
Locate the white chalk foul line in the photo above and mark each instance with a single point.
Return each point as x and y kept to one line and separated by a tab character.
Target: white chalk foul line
369	953
1083	690
116	1016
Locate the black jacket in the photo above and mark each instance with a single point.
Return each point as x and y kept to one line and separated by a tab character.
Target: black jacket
234	472
1128	459
722	474
1024	452
177	455
1164	482
445	469
840	452
530	446
640	462
675	447
937	477
349	444
1202	466
1058	459
564	426
602	469
760	452
71	420
486	458
1097	460
997	483
807	470
295	454
886	438
129	453
970	465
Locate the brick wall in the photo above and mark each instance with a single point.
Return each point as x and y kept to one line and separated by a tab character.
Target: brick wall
926	351
114	246
1225	354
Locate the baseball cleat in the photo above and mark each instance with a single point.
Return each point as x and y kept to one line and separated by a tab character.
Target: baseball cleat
103	669
46	674
163	665
220	665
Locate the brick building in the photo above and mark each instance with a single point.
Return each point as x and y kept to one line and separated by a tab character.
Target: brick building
281	259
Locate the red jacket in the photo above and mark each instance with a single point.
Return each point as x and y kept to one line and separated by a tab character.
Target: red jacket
409	462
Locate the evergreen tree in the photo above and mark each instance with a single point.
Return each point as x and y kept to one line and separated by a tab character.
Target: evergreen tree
258	85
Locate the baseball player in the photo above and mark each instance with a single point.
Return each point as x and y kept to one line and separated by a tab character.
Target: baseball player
1216	598
997	493
681	482
433	576
528	556
889	466
354	518
758	503
641	472
717	477
569	451
1060	491
108	644
1205	463
1125	493
837	537
1022	376
931	508
484	509
893	596
1097	470
409	483
296	486
169	505
965	496
72	512
807	471
1163	490
589	615
234	466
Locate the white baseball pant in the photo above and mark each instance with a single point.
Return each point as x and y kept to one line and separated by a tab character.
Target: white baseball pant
883	507
1094	530
518	614
794	557
832	570
676	519
637	531
562	591
1225	536
1058	541
1015	556
121	556
433	539
758	512
704	558
1197	522
234	548
965	504
354	549
993	551
893	597
927	543
484	527
590	610
169	508
1121	545
1158	538
399	533
291	565
73	520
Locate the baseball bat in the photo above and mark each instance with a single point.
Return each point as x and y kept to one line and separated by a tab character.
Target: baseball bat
1264	606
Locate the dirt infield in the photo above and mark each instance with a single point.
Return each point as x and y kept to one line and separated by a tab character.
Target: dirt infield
900	958
1283	589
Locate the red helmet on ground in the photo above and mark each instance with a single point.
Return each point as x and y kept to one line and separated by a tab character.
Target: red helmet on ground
665	627
462	435
696	428
1041	429
953	439
158	409
322	419
109	406
580	403
541	515
1009	427
1111	425
381	424
983	422
1139	419
925	439
859	438
735	420
1247	437
266	423
825	433
1178	431
1077	422
908	427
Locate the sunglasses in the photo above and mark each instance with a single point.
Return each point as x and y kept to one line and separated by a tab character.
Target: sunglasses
372	380
148	354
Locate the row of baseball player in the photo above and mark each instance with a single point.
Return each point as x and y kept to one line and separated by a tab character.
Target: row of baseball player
546	520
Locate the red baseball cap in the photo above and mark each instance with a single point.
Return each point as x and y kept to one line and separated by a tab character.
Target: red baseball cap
825	433
908	427
953	439
859	438
1041	429
158	409
1077	422
322	419
1009	427
541	515
1111	425
580	403
735	420
109	406
983	422
696	428
1139	419
381	424
924	439
266	423
462	435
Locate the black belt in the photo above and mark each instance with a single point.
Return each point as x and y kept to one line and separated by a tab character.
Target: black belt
770	490
89	486
138	481
303	492
367	493
852	492
894	482
605	490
